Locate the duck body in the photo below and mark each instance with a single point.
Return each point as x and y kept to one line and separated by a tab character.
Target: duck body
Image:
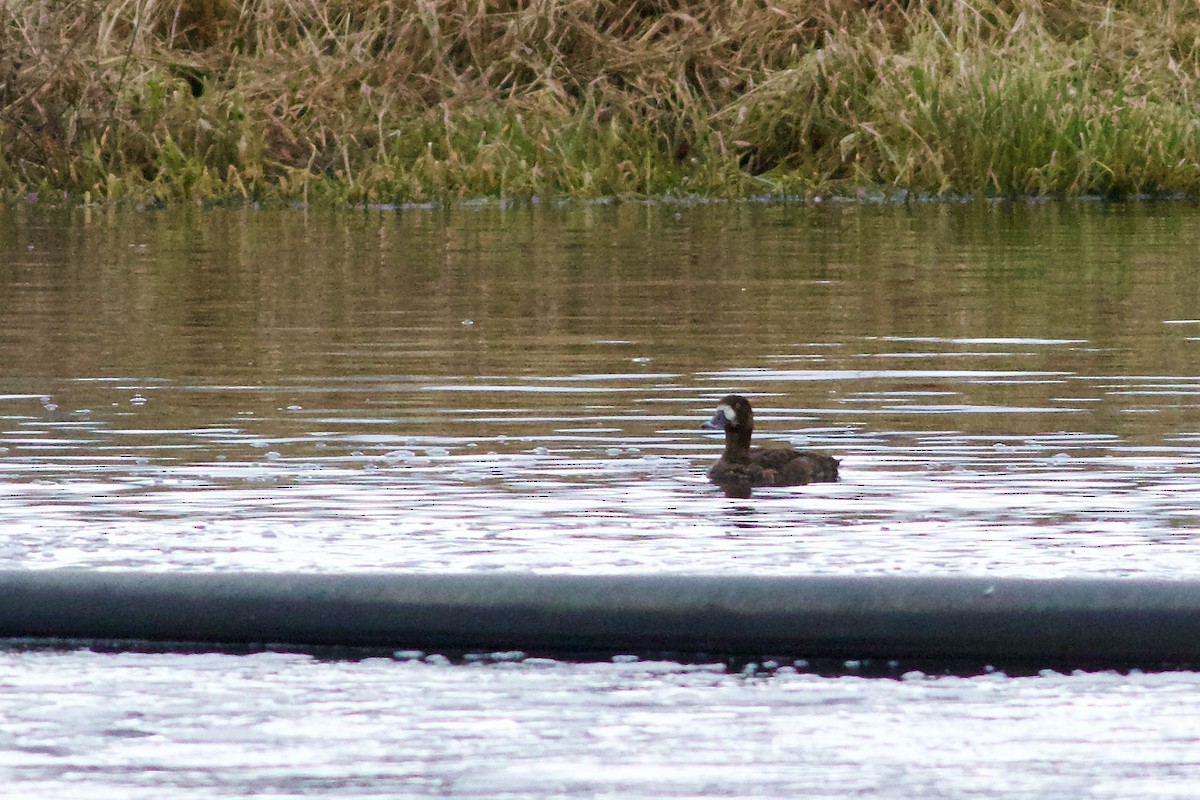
742	466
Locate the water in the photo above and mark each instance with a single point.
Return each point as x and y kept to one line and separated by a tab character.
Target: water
153	726
1011	390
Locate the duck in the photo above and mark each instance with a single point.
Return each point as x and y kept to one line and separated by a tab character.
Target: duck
742	466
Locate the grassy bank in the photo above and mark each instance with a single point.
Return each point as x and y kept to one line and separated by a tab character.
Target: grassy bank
403	100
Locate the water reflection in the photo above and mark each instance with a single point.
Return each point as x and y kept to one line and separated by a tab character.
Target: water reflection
1010	389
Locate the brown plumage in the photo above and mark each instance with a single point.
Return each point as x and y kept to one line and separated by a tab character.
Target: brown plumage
742	466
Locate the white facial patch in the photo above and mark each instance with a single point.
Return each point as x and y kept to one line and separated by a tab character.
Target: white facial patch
727	410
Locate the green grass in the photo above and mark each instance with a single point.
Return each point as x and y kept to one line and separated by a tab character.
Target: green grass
389	101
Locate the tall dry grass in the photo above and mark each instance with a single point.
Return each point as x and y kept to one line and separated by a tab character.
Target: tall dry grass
392	100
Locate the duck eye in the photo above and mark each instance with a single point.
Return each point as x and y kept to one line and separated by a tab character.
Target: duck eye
728	411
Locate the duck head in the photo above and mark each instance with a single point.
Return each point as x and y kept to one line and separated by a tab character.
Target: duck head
736	418
732	412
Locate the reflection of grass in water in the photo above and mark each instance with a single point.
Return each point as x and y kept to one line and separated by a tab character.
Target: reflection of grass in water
434	99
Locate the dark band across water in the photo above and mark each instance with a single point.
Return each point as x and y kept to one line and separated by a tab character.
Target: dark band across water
1085	622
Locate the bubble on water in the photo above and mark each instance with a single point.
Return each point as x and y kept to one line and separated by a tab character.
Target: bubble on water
294	407
436	452
541	451
137	400
272	455
396	456
540	662
408	655
437	660
466	323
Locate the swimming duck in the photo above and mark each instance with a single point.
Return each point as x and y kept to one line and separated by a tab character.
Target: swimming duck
743	466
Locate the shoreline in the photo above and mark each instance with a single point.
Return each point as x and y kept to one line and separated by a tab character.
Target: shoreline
865	199
394	102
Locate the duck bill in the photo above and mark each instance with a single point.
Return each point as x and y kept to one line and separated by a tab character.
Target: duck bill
717	423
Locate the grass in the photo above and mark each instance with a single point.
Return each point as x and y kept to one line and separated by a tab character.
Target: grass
414	100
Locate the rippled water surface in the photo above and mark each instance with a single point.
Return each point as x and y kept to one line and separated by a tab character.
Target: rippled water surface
1011	389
